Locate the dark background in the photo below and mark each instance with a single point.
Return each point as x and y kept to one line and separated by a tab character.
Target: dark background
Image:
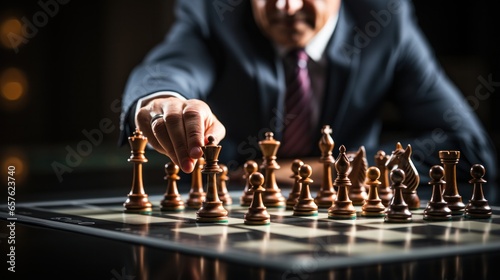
77	62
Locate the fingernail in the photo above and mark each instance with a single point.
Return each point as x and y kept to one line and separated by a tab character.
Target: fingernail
195	153
187	165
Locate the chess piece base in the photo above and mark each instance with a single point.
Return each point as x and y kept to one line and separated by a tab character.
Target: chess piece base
195	200
305	213
257	216
397	220
342	216
437	217
412	199
212	212
325	200
221	220
138	203
455	204
372	213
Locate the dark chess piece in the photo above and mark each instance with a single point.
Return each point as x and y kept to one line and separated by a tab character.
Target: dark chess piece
222	179
305	205
257	212
326	195
478	207
272	196
437	208
137	200
450	159
172	200
294	194
212	210
342	208
401	159
196	193
249	167
373	206
384	189
357	175
398	211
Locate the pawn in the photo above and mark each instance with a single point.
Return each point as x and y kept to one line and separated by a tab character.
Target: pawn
373	206
293	197
172	199
478	207
398	211
437	209
224	195
250	167
305	205
257	213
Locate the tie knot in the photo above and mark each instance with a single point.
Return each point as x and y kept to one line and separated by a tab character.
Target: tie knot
298	57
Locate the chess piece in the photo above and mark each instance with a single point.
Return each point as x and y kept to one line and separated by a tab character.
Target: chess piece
342	208
373	206
450	159
293	197
272	196
357	175
249	167
384	189
398	211
305	205
478	207
437	208
257	212
172	200
222	179
137	199
212	210
196	193
401	158
326	195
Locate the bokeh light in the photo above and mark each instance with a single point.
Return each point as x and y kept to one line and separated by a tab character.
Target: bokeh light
13	84
10	32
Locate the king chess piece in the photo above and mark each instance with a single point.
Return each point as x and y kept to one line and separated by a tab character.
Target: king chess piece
478	207
257	212
249	168
137	200
305	204
449	160
272	196
172	200
212	210
196	194
294	194
326	195
373	206
384	189
342	208
398	211
437	208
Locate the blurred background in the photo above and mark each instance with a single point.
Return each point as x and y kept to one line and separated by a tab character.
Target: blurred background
64	65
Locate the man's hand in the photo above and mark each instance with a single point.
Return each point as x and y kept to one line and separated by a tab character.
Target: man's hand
183	129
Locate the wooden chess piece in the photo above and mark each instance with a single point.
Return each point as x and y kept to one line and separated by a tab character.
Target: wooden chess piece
212	210
398	211
437	208
196	193
342	208
326	195
357	175
384	189
172	200
249	167
137	200
257	212
305	205
222	179
293	197
478	207
401	158
272	196
450	159
373	206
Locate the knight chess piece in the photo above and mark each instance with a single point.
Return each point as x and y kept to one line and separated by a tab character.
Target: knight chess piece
305	205
398	211
357	175
478	207
384	189
272	196
449	160
196	194
137	199
172	200
373	206
343	207
326	195
257	213
294	194
437	208
222	191
249	168
212	210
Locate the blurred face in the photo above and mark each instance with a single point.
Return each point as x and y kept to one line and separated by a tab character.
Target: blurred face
293	23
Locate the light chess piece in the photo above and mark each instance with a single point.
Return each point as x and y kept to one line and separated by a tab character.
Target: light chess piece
249	167
342	208
326	195
172	200
196	194
222	179
257	213
384	189
294	194
305	204
272	196
373	206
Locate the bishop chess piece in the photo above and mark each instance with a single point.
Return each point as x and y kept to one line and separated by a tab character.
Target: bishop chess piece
401	159
326	195
357	175
398	211
196	193
294	194
249	168
450	159
305	205
222	179
384	189
437	209
257	212
478	207
343	207
172	200
272	196
137	200
212	210
373	206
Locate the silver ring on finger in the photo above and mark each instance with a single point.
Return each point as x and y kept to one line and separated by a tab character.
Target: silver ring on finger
155	117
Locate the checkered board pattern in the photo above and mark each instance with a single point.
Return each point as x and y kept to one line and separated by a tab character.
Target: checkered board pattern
287	242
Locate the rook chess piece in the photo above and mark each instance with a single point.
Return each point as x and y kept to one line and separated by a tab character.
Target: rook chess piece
326	195
293	197
222	179
342	208
196	193
437	208
398	211
357	175
305	205
272	196
373	206
450	159
249	167
257	212
478	207
384	189
172	200
137	199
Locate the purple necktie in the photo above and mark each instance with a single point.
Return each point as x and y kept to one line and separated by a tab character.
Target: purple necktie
296	135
